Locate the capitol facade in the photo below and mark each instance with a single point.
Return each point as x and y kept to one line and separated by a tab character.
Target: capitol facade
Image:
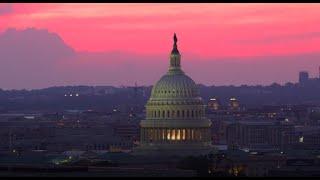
175	115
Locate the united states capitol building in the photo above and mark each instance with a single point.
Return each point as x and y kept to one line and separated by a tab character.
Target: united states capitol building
175	121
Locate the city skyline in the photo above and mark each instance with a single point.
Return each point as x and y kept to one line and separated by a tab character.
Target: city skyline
159	90
118	44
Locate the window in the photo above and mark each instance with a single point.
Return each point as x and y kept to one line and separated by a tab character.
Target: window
150	134
155	134
173	134
168	113
178	135
183	134
192	134
178	113
163	135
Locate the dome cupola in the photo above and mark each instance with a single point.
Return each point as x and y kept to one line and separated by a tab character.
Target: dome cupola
175	58
175	84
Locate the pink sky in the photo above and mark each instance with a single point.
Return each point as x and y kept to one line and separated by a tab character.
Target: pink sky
207	32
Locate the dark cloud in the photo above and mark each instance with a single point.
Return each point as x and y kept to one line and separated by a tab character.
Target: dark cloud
30	57
5	8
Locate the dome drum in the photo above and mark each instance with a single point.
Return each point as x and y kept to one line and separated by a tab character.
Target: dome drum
175	123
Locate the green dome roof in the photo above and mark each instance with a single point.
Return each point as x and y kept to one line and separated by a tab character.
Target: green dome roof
175	86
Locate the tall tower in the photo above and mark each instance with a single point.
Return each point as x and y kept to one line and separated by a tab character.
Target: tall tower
234	104
303	77
175	121
214	104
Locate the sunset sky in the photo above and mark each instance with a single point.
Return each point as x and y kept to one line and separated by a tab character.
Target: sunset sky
206	32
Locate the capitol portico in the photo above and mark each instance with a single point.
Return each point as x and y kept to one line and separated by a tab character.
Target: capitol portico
175	115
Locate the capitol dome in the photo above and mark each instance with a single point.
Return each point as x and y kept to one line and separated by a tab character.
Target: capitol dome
175	86
175	114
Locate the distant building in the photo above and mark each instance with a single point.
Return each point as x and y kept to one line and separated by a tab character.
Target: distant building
241	163
127	131
303	77
234	104
305	137
257	135
214	104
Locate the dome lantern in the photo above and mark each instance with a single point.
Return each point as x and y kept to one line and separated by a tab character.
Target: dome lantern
175	58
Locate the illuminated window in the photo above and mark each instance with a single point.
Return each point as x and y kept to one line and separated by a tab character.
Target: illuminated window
173	134
168	134
163	135
178	134
183	134
192	134
301	139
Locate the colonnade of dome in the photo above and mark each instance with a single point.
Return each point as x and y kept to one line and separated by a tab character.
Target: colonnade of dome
176	113
175	135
